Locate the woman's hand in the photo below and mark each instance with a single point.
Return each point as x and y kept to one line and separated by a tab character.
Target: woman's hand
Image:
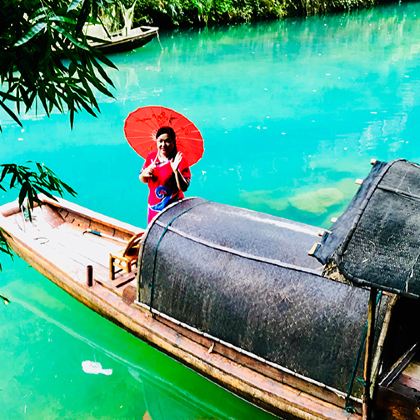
147	173
176	161
181	182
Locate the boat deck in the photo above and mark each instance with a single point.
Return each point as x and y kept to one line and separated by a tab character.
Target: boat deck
62	237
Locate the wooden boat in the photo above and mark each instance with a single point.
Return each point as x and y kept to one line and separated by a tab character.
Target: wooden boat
229	292
124	40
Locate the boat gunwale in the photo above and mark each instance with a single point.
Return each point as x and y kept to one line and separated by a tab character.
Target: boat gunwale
119	37
12	208
281	369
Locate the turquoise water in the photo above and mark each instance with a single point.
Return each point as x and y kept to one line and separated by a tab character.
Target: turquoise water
291	112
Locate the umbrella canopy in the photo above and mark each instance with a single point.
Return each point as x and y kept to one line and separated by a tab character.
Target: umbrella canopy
141	126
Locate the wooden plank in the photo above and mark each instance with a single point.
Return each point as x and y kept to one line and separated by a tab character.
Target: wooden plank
81	249
51	216
321	392
109	245
123	279
389	377
69	257
74	246
86	246
367	370
117	286
410	381
413	369
396	403
92	215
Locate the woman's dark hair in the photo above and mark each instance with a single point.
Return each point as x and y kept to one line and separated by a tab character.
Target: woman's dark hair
167	130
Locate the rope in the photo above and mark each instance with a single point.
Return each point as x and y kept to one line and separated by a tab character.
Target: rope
349	406
405	194
152	291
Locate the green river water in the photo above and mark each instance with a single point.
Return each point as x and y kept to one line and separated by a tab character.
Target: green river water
291	113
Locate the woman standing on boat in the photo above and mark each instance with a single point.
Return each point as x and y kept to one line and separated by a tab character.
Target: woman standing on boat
166	173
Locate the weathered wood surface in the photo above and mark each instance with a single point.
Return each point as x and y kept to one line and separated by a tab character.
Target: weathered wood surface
61	252
398	403
411	376
321	392
400	399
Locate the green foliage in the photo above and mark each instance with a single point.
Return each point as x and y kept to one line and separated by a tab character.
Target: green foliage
316	7
169	13
184	13
35	37
29	182
32	182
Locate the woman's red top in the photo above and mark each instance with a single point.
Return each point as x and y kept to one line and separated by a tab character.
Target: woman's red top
162	186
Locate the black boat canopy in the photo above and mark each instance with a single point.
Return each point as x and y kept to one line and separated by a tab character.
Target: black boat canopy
246	278
376	242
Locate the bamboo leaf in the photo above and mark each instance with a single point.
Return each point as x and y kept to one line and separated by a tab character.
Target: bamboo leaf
4	246
100	86
44	191
103	73
35	30
70	37
4	172
74	5
42	98
63	19
71	117
69	189
8	96
86	106
6	301
11	113
22	193
106	60
13	180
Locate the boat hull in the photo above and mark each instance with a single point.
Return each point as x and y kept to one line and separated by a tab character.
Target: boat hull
276	390
116	43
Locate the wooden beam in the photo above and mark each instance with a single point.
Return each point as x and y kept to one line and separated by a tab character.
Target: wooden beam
367	372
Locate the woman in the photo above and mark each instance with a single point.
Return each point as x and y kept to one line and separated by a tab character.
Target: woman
165	172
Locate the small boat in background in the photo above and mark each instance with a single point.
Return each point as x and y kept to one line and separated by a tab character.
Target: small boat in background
123	40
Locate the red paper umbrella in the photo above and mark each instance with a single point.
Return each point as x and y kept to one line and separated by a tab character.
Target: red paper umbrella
141	126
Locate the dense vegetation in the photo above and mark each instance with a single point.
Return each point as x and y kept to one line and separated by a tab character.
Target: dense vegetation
183	13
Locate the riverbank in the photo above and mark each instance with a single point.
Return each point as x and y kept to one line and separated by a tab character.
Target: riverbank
196	13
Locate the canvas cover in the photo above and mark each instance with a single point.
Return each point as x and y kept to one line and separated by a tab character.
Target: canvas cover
246	278
376	242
